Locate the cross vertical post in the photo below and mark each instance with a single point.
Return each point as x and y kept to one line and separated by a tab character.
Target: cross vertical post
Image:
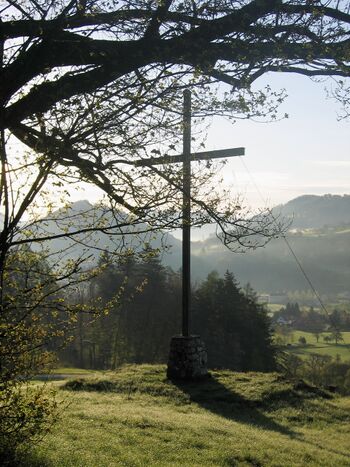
187	357
186	214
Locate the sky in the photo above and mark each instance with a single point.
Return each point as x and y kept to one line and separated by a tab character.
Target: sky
308	153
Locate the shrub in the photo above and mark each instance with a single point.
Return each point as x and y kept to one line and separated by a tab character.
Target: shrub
27	413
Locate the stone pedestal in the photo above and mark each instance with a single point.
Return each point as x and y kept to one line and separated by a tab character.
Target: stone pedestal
187	358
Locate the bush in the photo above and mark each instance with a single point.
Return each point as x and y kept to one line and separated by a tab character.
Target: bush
337	374
27	413
35	318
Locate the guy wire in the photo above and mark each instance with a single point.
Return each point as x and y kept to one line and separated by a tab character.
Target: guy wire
302	270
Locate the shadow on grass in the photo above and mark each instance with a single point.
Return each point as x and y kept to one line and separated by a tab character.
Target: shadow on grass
241	405
218	399
26	459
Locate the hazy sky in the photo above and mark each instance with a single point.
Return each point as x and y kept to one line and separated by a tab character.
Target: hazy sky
308	153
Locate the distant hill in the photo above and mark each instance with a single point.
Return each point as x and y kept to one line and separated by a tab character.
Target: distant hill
311	211
81	216
323	252
319	236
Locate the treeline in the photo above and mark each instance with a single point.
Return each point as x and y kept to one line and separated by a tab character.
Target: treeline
311	320
143	299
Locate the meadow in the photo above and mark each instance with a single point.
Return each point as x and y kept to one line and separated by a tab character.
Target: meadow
136	417
342	349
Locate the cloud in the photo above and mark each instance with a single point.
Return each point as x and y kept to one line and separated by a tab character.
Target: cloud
262	178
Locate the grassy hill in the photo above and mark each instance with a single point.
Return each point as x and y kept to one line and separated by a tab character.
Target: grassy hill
136	417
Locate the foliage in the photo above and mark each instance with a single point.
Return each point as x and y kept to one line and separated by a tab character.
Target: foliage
30	303
35	318
27	414
320	370
313	321
101	90
94	87
88	88
336	336
302	340
233	325
138	324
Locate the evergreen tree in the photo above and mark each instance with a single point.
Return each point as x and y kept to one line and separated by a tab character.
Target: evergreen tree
233	325
143	302
140	324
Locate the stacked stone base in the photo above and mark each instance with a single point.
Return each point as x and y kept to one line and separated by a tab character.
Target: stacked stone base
187	359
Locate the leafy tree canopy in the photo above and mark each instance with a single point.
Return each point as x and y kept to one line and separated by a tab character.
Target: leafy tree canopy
54	51
93	85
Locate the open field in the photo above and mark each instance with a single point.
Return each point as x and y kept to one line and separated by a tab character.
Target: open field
61	373
321	348
136	417
71	371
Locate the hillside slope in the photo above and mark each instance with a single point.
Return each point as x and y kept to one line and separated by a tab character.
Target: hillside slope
312	211
319	236
324	253
136	417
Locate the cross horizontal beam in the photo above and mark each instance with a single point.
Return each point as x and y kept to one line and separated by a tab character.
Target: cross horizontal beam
196	156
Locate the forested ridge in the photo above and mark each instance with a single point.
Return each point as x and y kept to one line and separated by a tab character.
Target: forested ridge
319	234
324	254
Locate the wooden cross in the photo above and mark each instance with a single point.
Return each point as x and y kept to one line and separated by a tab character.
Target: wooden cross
186	157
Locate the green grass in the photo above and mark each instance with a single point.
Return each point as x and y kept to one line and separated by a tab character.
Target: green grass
62	373
321	348
312	339
136	417
71	371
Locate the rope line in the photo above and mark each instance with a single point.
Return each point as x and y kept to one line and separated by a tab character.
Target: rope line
302	270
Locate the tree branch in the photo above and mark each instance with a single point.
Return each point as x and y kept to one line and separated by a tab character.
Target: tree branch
61	152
